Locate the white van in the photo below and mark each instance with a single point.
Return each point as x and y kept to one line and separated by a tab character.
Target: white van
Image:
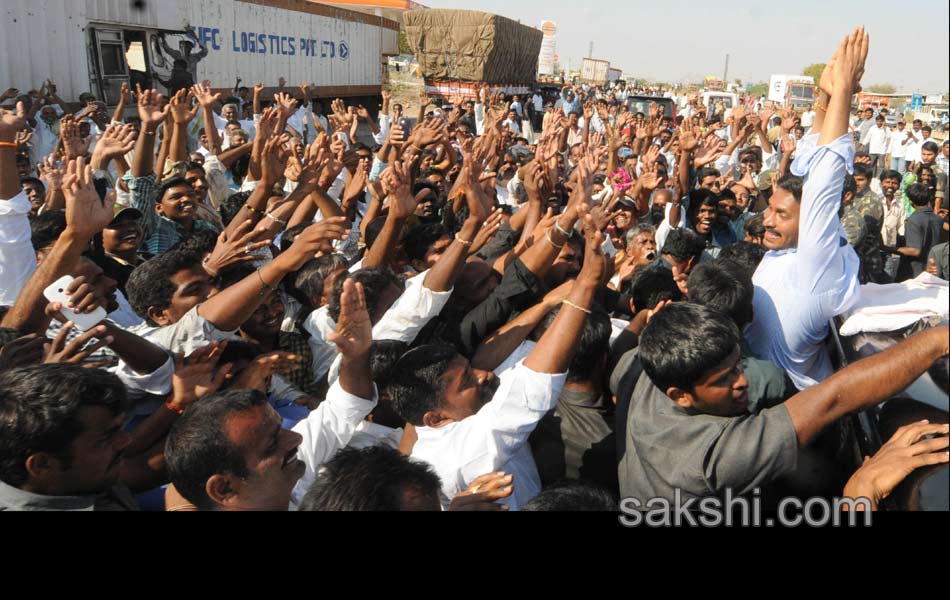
728	99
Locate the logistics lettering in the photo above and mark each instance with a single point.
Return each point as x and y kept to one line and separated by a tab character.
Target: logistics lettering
249	42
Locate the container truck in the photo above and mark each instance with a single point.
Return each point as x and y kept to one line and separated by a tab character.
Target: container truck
97	45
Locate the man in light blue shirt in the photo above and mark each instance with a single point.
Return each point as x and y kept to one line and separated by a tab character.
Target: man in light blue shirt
810	273
569	101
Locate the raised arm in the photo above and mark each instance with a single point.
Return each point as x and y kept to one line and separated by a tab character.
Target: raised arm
865	383
555	349
230	308
821	265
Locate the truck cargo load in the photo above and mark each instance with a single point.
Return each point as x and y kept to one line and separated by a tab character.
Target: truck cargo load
594	71
459	48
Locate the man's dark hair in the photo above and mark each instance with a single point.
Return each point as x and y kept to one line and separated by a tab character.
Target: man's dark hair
232	274
290	234
574	496
930	145
891	174
648	287
683	244
232	122
167	185
683	341
311	277
928	130
46	228
383	356
150	284
793	185
421	238
850	184
706	172
755	226
34	181
199	242
374	281
746	254
918	194
197	446
417	385
724	286
193	166
863	170
39	411
591	347
232	206
374	478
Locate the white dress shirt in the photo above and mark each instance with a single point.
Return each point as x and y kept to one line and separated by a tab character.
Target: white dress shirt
894	218
327	429
797	291
495	438
17	257
406	317
877	139
912	152
369	434
899	144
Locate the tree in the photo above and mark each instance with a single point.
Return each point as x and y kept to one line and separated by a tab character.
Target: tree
882	88
404	47
815	71
758	89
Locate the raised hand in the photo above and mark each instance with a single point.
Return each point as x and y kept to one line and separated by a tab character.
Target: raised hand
59	351
398	186
487	231
274	158
285	104
203	94
197	375
850	59
151	112
73	144
356	186
354	330
237	248
257	375
86	213
11	122
22	352
315	238
116	141
51	173
594	260
897	459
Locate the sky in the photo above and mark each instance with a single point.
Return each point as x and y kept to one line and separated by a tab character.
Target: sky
686	40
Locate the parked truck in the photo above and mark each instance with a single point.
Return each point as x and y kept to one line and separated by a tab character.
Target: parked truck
459	49
97	45
595	71
792	91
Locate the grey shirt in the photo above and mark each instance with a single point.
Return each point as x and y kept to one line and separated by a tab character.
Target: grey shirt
921	230
669	448
118	498
941	257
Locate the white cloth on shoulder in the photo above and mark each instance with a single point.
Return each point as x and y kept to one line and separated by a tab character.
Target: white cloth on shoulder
893	306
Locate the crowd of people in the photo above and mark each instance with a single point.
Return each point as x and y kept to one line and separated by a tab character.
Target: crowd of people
234	303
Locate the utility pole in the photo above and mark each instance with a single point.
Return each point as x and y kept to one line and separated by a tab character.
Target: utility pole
725	72
590	49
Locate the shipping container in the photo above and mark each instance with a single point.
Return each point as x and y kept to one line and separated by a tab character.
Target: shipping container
594	70
96	45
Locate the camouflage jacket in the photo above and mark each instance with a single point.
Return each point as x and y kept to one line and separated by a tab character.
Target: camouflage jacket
862	220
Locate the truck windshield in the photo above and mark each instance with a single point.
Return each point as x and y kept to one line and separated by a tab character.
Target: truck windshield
803	92
642	104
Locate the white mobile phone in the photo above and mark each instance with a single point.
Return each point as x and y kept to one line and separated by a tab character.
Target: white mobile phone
56	292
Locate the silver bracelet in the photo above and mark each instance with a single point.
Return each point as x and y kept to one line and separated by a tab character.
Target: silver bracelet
567	234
